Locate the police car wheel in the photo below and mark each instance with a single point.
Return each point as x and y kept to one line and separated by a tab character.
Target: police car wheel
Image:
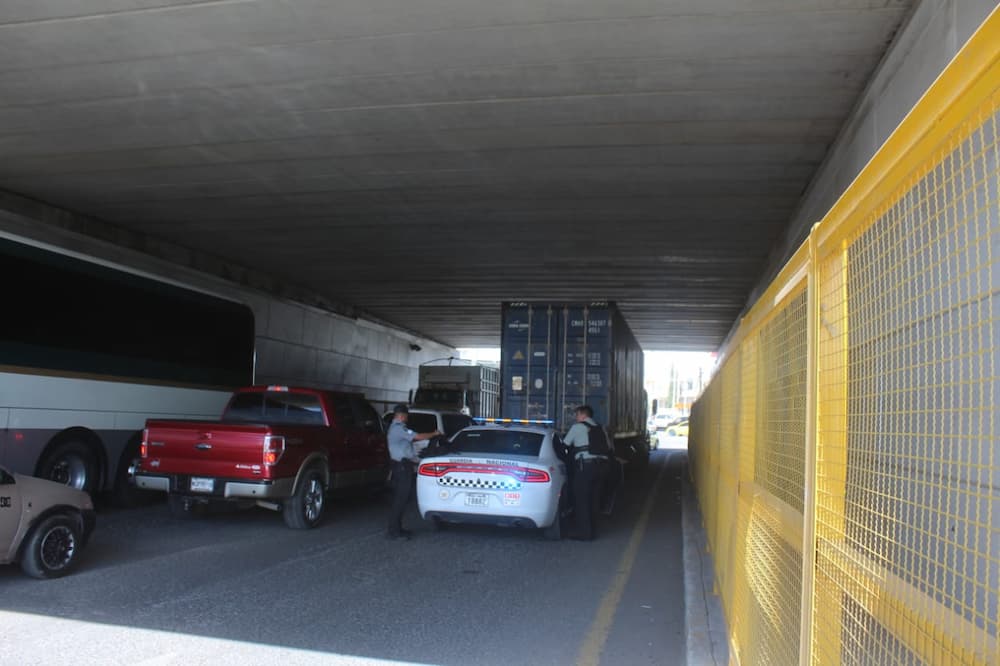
305	509
53	547
554	531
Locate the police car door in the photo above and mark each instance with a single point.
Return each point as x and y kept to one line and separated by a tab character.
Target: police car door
10	512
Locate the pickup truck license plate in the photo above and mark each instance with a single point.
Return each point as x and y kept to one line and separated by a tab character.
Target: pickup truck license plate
202	485
477	499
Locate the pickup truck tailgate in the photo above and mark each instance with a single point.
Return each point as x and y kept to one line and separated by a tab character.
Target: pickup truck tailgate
210	449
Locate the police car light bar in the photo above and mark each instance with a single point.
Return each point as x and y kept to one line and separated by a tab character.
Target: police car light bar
483	419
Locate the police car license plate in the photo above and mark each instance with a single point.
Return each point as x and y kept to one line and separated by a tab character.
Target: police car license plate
202	485
477	499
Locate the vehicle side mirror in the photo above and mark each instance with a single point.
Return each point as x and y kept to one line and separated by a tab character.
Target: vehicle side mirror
372	426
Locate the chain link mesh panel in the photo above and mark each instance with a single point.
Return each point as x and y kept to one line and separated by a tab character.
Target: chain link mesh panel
916	519
782	437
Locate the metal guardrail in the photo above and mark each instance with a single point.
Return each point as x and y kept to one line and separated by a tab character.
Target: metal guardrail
846	454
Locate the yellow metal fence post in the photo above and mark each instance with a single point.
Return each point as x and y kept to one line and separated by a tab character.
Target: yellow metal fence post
809	484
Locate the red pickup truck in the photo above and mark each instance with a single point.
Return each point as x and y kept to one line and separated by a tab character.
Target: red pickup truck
283	448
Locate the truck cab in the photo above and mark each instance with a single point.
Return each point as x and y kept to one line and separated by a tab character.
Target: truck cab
455	385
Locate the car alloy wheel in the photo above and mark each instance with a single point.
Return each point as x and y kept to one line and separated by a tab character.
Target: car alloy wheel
313	504
57	548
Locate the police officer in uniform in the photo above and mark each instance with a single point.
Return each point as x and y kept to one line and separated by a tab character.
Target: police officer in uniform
403	451
588	474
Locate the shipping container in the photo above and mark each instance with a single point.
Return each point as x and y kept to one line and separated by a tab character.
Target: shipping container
556	356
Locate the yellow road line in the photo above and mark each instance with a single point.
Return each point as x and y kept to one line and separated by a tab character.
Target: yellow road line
600	628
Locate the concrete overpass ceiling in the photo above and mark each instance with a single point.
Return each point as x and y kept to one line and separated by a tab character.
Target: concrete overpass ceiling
426	159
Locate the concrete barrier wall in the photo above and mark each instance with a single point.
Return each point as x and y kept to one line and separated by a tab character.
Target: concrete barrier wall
928	41
297	344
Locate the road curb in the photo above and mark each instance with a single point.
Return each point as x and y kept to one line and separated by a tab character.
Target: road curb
705	623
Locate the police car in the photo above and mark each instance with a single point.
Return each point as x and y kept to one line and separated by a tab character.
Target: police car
507	473
43	525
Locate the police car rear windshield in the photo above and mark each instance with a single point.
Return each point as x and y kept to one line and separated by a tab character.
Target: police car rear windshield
499	441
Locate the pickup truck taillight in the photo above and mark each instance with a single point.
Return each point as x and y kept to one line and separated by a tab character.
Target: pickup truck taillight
274	446
144	446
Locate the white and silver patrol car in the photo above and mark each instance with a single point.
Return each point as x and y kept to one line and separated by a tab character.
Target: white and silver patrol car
43	525
506	474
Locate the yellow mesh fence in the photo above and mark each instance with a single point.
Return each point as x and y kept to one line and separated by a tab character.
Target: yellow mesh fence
846	454
781	450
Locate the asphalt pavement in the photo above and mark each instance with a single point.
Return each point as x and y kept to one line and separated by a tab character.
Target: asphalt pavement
238	587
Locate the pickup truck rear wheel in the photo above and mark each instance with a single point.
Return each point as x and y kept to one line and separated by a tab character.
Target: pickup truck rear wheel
304	510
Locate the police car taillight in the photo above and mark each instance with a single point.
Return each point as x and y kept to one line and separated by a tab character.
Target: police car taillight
144	446
274	446
435	469
535	475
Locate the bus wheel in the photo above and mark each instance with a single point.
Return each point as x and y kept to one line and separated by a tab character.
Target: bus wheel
71	463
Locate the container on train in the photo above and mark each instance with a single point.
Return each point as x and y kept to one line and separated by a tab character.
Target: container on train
556	356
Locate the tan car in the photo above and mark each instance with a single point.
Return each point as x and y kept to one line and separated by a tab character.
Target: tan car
43	525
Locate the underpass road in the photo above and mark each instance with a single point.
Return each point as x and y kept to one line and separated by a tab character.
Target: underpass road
239	587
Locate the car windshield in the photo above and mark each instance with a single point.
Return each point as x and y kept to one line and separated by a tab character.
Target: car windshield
438	396
421	422
499	441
